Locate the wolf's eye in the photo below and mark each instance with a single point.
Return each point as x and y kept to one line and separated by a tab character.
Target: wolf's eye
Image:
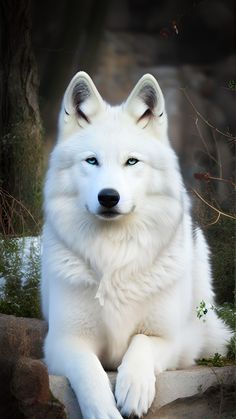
131	161
92	160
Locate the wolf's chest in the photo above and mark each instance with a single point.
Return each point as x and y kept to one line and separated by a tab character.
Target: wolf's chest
119	326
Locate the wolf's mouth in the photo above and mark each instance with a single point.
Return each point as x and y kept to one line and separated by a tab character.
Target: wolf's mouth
108	214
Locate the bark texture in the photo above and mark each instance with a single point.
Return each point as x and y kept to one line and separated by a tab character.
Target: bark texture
20	125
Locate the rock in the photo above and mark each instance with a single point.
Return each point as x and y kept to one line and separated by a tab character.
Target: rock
24	381
61	389
30	386
197	392
21	336
173	385
217	401
30	382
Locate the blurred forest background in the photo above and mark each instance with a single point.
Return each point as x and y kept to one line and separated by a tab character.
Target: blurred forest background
189	46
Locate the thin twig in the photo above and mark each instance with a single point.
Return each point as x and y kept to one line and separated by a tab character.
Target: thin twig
204	142
218	154
212	207
6	193
215	221
203	118
9	209
219	179
206	176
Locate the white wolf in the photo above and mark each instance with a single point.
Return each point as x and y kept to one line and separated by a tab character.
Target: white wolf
123	267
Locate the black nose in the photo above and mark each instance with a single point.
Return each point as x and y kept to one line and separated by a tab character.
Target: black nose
108	198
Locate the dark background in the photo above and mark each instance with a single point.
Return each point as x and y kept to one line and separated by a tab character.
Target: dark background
185	44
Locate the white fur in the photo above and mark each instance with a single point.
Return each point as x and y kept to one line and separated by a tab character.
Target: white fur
121	293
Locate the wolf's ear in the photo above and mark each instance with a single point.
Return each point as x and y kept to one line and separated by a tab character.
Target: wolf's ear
146	101
82	100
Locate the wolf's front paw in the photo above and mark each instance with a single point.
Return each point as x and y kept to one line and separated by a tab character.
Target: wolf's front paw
135	389
99	404
101	413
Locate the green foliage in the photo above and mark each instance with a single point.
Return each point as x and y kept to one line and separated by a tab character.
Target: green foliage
20	272
203	309
216	361
221	238
232	84
227	312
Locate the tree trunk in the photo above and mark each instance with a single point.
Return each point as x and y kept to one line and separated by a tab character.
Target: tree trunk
72	46
20	125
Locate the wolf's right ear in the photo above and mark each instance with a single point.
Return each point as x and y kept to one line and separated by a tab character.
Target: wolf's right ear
82	102
146	102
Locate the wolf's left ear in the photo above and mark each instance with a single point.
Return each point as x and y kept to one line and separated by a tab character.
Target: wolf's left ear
82	100
146	101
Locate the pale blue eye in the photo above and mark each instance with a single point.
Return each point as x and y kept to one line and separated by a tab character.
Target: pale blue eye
131	161
92	160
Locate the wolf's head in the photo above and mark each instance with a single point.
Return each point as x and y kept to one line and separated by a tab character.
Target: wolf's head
112	163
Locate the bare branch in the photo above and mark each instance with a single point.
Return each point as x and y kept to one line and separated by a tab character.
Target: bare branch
212	207
203	118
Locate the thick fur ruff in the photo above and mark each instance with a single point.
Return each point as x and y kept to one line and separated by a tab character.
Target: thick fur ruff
121	282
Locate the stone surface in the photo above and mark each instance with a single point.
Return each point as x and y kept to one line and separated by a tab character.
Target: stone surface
62	390
21	336
30	382
172	385
30	386
204	390
215	402
24	382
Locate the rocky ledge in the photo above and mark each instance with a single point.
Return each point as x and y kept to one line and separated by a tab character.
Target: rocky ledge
197	392
26	390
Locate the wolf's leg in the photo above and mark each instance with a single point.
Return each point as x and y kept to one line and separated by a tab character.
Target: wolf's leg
135	385
81	366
